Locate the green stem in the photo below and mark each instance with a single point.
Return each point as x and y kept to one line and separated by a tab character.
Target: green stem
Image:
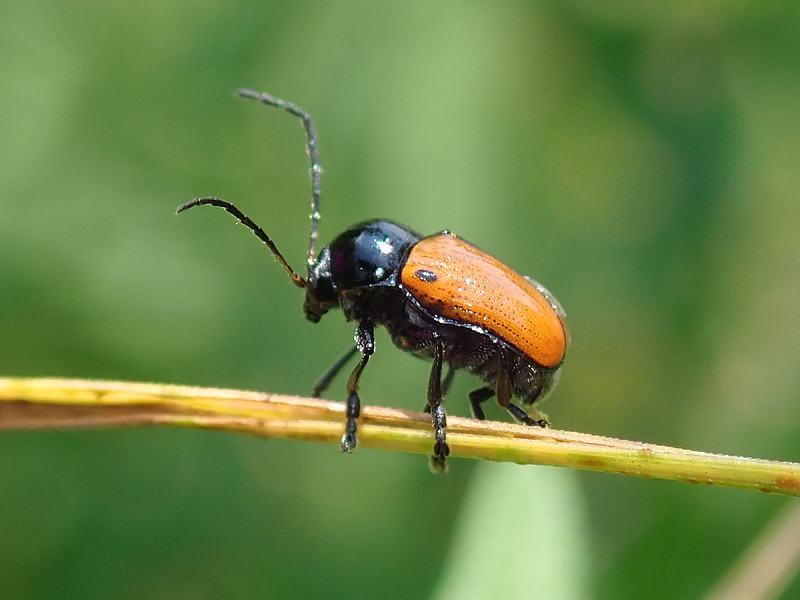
66	403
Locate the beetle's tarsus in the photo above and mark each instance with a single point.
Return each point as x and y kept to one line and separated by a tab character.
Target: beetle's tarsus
438	461
438	417
349	440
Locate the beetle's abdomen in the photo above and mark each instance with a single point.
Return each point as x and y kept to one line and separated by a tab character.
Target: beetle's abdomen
453	279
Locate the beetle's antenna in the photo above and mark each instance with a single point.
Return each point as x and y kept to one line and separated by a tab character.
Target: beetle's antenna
311	149
246	221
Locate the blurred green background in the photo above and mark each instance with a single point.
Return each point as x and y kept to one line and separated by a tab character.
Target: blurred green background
642	162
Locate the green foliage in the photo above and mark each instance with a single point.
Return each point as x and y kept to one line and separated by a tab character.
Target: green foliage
539	548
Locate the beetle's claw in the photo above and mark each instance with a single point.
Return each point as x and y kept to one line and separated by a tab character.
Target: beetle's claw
349	442
439	459
438	464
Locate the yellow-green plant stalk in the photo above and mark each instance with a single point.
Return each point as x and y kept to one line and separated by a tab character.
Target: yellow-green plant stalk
66	403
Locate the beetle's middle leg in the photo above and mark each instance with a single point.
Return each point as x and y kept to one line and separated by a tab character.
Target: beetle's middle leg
438	417
447	381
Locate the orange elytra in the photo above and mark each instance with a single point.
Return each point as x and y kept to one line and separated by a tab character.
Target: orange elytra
452	278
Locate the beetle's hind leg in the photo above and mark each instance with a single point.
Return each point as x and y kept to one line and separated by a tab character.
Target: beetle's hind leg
503	392
478	397
438	417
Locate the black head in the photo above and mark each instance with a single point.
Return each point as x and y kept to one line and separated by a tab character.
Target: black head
367	255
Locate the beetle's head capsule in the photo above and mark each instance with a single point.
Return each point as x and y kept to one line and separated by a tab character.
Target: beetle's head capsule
364	256
320	293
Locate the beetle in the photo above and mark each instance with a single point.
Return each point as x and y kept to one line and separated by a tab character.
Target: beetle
439	297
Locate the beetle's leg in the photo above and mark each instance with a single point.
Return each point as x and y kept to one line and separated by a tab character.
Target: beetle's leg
478	397
446	383
503	392
448	380
438	416
365	343
324	381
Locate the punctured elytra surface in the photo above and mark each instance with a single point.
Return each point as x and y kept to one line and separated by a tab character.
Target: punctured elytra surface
454	279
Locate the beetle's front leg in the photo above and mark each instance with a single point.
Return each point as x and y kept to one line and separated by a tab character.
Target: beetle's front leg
365	343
